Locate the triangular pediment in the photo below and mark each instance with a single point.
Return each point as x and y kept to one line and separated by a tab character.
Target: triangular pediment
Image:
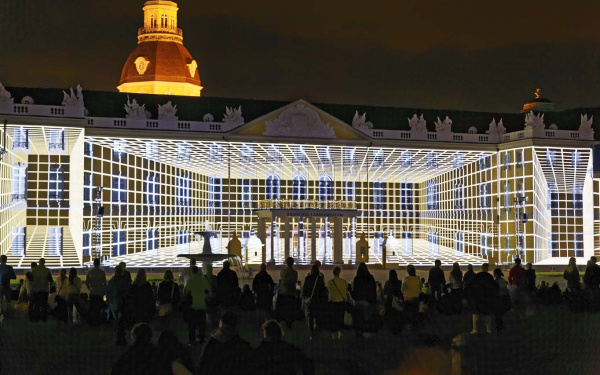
300	119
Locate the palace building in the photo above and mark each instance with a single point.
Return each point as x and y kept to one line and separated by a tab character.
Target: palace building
134	175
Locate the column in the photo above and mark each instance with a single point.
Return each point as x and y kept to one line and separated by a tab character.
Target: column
272	240
313	239
262	235
338	241
287	237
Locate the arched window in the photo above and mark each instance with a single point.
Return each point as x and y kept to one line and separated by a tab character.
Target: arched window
152	21
325	188
163	20
299	188
272	187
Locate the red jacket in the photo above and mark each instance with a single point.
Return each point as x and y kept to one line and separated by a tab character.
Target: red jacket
516	276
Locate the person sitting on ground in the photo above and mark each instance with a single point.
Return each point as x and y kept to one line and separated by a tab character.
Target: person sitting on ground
141	356
571	274
247	302
277	357
225	351
227	286
172	357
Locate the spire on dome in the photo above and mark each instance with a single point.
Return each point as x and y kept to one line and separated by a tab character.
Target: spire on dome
160	22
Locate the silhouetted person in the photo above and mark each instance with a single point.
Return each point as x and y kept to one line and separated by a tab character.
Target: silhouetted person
198	288
186	275
247	301
141	305
96	282
42	279
436	280
225	351
314	295
591	278
126	274
364	293
168	297
172	356
484	292
468	276
338	301
286	294
571	274
73	295
456	289
263	287
276	357
393	299
7	273
411	289
29	292
530	278
212	304
503	298
141	357
227	286
518	285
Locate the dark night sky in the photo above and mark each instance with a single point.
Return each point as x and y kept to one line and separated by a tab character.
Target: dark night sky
482	56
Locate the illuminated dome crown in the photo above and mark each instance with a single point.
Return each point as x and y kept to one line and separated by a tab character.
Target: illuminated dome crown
160	64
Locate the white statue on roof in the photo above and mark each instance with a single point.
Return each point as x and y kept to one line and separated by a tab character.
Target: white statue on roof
360	122
535	122
135	111
496	127
443	126
233	115
586	124
167	111
5	96
73	99
417	124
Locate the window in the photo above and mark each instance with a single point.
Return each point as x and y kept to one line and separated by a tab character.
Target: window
406	243
272	187
152	195
183	191
551	158
300	156
378	195
459	196
349	190
56	182
184	153
325	156
55	237
20	139
486	244
553	196
553	244
215	153
299	188
19	184
433	198
520	158
246	192
459	243
88	149
578	244
214	191
152	150
18	241
575	159
87	243
274	155
325	188
484	161
378	158
163	20
56	140
120	151
119	189
406	159
247	154
433	243
152	21
406	196
432	160
350	157
485	197
458	160
506	196
507	242
119	242
183	237
172	22
151	239
506	160
578	199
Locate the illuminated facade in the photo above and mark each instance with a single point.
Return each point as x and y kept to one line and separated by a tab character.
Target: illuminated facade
303	180
160	64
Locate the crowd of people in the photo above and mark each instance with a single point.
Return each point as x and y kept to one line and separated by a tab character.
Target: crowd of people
325	303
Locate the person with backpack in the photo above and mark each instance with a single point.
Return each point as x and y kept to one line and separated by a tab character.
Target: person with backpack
168	297
339	300
314	297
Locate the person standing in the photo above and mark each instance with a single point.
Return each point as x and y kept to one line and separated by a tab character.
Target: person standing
96	283
198	287
314	295
168	301
518	285
29	292
456	288
263	287
591	277
61	310
437	280
141	303
212	304
7	273
503	299
286	294
228	289
42	279
73	295
364	293
338	300
186	274
484	293
126	274
571	274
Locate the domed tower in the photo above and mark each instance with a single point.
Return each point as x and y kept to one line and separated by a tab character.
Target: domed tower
160	64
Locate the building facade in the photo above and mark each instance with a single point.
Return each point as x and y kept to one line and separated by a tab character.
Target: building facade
289	179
